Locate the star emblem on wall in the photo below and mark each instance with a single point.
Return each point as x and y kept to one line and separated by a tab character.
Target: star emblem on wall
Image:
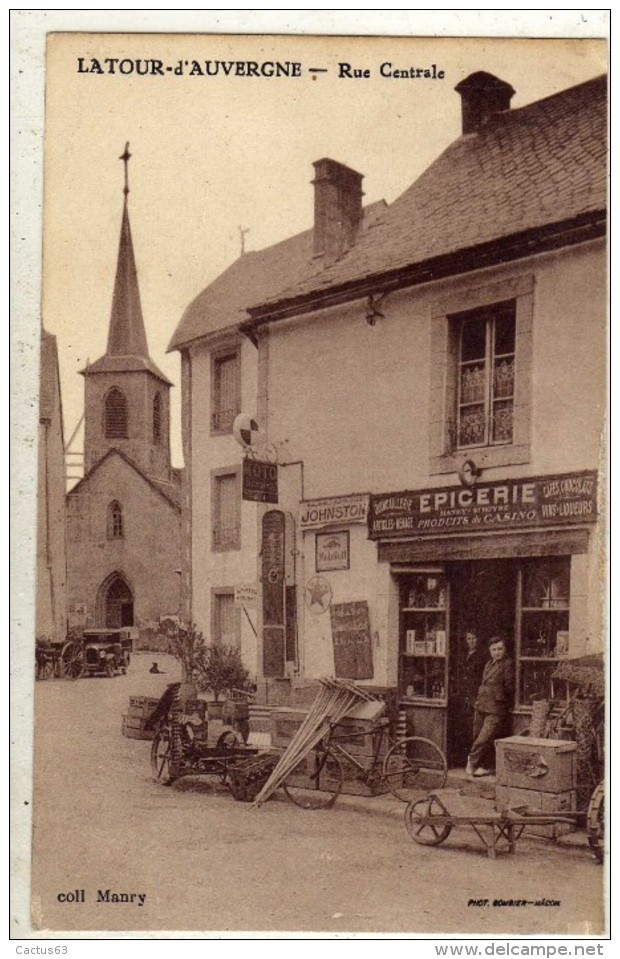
318	594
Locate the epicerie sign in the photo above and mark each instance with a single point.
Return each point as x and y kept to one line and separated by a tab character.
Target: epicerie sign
540	501
337	509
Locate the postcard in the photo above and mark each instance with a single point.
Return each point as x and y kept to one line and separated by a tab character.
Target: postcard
362	278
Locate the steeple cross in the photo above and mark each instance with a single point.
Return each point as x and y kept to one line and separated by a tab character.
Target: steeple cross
125	157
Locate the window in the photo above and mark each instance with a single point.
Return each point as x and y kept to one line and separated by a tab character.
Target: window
481	376
115	415
226	619
225	392
543	625
486	376
226	506
157	419
115	521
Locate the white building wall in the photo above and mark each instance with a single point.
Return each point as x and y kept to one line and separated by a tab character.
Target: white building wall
219	570
353	402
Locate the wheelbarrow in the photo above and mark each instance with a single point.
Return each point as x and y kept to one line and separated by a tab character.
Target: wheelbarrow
430	820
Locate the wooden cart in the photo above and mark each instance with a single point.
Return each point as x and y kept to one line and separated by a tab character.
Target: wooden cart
430	820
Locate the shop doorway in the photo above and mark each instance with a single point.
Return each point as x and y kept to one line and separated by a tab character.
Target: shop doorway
483	597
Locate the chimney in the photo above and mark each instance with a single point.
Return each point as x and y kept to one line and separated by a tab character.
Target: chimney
482	96
337	208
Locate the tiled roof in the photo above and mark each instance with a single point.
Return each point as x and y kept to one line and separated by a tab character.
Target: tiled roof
254	277
526	168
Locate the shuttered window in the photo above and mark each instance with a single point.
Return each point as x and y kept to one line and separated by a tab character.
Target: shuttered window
226	621
115	415
225	394
226	512
157	419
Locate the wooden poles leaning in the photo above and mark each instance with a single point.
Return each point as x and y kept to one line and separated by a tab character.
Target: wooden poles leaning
335	698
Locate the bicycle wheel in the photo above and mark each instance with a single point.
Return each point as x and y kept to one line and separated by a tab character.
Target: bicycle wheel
595	822
316	782
420	826
412	766
161	756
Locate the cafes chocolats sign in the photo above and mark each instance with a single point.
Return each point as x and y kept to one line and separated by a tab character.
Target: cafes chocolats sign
539	501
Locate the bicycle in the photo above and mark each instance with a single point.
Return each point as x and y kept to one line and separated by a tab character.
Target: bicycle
410	766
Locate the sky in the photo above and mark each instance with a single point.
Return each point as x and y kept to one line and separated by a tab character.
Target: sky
212	154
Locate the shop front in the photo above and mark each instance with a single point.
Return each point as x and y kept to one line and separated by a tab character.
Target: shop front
470	563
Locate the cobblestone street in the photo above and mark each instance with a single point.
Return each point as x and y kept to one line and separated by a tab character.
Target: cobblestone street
205	862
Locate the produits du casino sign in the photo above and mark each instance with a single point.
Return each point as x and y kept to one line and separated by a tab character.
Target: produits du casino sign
539	501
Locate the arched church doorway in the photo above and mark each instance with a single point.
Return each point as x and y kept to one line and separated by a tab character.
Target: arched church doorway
117	602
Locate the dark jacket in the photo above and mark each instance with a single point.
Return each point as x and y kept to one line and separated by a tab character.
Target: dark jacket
497	687
470	676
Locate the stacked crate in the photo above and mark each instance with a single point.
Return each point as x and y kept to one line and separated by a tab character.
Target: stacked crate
138	711
540	774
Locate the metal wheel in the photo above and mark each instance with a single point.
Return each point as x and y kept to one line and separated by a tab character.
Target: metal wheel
412	766
228	741
161	757
595	822
418	820
316	782
72	660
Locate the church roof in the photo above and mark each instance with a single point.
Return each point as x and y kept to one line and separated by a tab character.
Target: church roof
127	349
170	492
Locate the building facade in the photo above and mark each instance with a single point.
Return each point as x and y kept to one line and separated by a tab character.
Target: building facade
124	515
435	389
51	603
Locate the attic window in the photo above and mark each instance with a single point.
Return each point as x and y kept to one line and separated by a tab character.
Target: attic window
115	415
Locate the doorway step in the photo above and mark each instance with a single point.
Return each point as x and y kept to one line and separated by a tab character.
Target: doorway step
483	786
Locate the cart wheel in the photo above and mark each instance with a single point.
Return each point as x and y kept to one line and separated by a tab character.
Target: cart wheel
72	660
412	766
595	822
228	741
418	820
316	782
46	669
161	756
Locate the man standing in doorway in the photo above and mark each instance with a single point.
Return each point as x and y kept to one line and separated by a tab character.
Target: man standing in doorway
492	705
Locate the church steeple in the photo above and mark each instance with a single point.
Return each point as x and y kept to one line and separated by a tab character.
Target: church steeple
127	403
126	336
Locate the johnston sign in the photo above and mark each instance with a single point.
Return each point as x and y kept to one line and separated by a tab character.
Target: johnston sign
539	501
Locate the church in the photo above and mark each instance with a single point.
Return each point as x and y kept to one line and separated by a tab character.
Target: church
124	515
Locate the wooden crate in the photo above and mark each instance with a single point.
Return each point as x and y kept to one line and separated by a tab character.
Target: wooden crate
284	724
133	728
546	765
141	706
542	802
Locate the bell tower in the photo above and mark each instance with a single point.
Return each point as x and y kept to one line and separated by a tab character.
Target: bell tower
126	397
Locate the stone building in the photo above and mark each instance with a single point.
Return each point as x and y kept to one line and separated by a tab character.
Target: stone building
434	384
124	516
51	601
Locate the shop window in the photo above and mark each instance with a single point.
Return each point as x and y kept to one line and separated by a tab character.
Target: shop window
486	376
424	637
226	511
543	625
115	415
225	391
226	619
481	385
115	521
157	419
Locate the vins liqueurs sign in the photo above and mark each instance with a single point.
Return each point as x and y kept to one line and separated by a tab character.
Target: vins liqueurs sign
506	504
260	481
